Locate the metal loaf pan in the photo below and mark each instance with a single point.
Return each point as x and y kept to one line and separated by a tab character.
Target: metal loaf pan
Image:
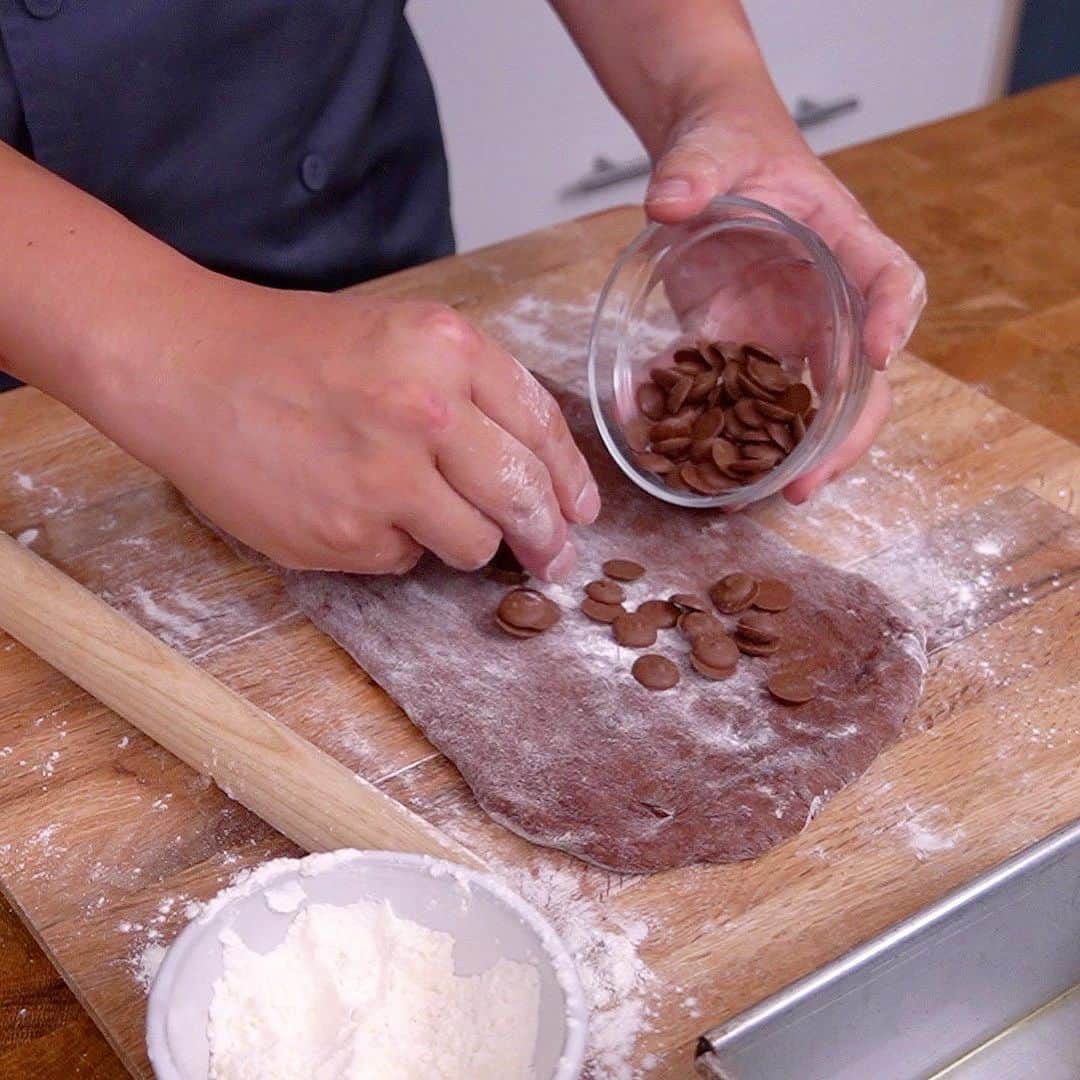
984	983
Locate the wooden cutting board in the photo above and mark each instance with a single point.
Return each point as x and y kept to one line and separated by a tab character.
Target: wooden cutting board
965	509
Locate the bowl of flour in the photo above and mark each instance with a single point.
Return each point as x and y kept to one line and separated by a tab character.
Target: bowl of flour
367	964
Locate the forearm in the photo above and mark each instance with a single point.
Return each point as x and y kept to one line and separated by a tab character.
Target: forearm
86	297
664	64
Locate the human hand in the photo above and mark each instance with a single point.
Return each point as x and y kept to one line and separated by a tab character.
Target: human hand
348	432
707	155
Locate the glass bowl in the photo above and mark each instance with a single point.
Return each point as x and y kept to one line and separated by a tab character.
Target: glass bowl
739	273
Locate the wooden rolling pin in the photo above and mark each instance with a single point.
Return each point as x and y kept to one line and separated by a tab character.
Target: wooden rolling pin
292	785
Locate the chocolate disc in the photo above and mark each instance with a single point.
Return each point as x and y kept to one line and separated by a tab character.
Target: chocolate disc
600	612
702	385
769	375
515	631
764	452
716	650
798	428
672	447
724	453
751	350
654	463
771	411
655	672
663	614
708	424
623	569
607	592
781	435
756	648
732	386
690	360
689	602
695	624
527	609
679	392
507	577
756	626
505	568
664	377
748	468
746	411
701	450
693	477
773	595
795	398
791	687
734	593
651	400
673	427
634	630
708	671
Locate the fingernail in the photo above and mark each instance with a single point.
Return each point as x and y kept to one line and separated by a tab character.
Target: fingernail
559	568
587	506
669	190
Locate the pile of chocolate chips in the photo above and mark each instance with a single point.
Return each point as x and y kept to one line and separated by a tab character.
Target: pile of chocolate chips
714	652
720	416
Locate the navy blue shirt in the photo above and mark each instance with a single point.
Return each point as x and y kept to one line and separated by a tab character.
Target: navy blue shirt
294	143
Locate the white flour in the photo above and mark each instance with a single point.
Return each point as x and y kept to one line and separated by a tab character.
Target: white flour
605	946
357	992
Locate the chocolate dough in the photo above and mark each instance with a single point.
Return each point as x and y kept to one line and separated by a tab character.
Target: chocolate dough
560	743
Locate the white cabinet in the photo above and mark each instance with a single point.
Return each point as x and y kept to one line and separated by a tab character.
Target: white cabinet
525	120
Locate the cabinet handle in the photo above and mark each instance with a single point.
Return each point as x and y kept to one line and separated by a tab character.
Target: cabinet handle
606	173
809	113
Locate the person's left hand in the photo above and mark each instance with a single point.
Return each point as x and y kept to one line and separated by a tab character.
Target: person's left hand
708	156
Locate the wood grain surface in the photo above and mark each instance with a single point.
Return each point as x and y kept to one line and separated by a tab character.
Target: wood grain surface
967	508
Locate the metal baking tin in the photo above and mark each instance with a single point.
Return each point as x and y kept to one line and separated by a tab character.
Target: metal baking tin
945	989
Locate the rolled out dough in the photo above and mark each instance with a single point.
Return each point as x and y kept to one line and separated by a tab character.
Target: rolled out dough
557	740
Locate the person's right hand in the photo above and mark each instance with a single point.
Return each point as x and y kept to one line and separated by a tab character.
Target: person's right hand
349	432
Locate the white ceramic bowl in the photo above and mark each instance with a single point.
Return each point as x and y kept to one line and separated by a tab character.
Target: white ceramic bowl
487	920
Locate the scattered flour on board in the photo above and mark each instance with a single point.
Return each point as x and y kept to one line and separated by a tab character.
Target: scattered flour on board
56	500
618	983
929	830
171	624
27	537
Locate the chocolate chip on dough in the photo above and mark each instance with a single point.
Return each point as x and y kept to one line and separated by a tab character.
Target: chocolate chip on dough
773	595
607	592
757	627
601	612
655	672
791	687
695	624
663	614
634	630
525	613
505	568
689	602
734	593
756	648
708	670
623	569
717	651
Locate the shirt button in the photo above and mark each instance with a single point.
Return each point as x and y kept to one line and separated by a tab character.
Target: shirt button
313	172
43	9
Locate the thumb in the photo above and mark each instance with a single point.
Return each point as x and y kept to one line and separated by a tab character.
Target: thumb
684	179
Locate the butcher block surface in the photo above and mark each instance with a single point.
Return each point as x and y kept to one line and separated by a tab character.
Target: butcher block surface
965	509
